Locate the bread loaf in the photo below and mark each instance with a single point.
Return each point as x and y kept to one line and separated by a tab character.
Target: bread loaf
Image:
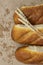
26	35
33	13
30	54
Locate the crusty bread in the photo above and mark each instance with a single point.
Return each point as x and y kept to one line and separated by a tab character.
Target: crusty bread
33	13
30	55
26	35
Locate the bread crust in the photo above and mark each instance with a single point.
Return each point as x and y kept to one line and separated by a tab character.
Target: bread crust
33	13
26	35
29	56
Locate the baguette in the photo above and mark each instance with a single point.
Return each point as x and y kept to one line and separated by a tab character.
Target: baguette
33	13
26	35
30	55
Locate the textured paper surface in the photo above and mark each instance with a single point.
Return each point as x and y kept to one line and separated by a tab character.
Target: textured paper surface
7	45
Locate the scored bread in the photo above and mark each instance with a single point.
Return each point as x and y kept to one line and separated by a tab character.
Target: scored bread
33	13
26	35
30	54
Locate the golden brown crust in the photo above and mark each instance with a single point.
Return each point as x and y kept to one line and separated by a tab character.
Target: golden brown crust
26	35
33	13
16	19
27	56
